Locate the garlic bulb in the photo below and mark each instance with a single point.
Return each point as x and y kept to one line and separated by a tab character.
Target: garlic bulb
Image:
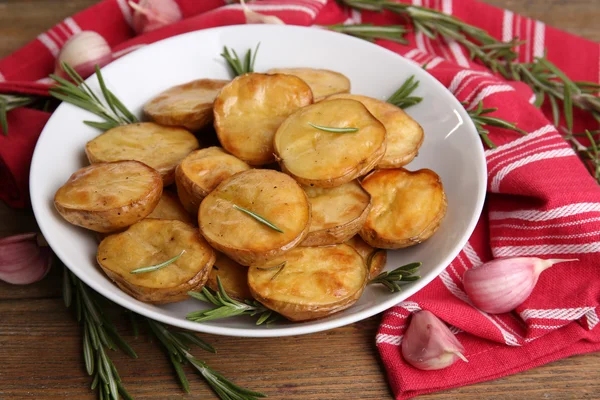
150	15
428	344
83	51
501	285
253	17
23	259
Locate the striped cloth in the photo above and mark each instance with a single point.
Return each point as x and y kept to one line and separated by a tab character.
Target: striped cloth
541	200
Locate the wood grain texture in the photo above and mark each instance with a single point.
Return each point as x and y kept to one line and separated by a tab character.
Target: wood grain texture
40	342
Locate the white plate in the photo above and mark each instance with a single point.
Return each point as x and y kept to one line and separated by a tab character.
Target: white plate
452	148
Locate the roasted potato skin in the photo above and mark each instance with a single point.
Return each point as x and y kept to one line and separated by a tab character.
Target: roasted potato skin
324	159
189	105
272	195
374	259
233	276
315	281
348	205
169	207
160	147
322	82
404	136
86	200
138	246
415	202
201	171
249	110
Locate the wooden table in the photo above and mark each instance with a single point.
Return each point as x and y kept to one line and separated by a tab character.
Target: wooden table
40	343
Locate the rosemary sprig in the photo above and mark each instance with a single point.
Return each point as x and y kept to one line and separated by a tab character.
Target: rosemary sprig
402	97
99	334
371	32
257	217
333	129
401	275
111	109
157	266
9	102
228	307
481	120
238	66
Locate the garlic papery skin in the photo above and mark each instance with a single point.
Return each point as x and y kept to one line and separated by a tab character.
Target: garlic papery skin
501	285
83	51
150	15
22	260
252	17
428	344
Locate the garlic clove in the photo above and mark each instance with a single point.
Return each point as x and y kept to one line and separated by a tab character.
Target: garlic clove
22	260
150	15
501	285
252	17
83	51
428	344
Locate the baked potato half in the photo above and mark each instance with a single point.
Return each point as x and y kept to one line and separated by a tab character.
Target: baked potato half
152	242
315	157
404	136
201	171
309	282
374	259
160	147
169	207
408	207
189	105
249	110
233	276
337	213
107	197
225	222
322	82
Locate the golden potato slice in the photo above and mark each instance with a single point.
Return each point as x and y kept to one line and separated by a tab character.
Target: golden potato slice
107	197
325	159
337	213
160	147
322	82
314	281
404	135
233	276
408	207
169	207
374	259
189	105
249	110
152	242
201	171
271	195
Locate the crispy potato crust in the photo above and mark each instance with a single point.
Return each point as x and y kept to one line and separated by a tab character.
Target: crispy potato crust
107	197
249	110
322	82
408	207
189	105
270	194
374	259
233	276
160	147
404	135
337	213
169	207
315	281
325	159
151	242
201	171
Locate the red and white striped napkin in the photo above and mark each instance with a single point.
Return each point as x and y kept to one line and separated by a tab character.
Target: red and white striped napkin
541	200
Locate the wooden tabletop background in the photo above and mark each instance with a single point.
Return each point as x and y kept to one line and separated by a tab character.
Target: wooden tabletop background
40	342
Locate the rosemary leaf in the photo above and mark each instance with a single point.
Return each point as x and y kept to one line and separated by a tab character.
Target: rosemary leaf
333	129
67	292
555	111
157	266
193	339
401	97
94	382
236	65
257	217
124	393
568	108
395	278
103	126
88	354
180	373
372	32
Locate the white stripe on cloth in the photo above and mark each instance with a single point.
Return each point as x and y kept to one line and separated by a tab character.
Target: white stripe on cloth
388	326
529	237
274	7
507	26
538	39
545	249
528	25
569	314
126	11
417	2
592	319
72	25
434	63
413	53
474	92
410	306
535	215
394	340
547	226
547	327
472	255
2	78
420	40
515	145
447	7
528	160
458	54
459	77
525	153
49	43
488	91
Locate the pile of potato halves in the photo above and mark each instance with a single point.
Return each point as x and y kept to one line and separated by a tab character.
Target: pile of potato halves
335	198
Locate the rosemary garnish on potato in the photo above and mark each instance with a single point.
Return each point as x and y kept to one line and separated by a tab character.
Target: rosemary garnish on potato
395	278
257	217
238	66
333	129
402	97
157	266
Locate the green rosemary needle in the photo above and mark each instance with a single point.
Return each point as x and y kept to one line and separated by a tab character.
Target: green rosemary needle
371	32
257	217
402	97
157	266
401	275
333	129
238	66
9	102
480	120
279	267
